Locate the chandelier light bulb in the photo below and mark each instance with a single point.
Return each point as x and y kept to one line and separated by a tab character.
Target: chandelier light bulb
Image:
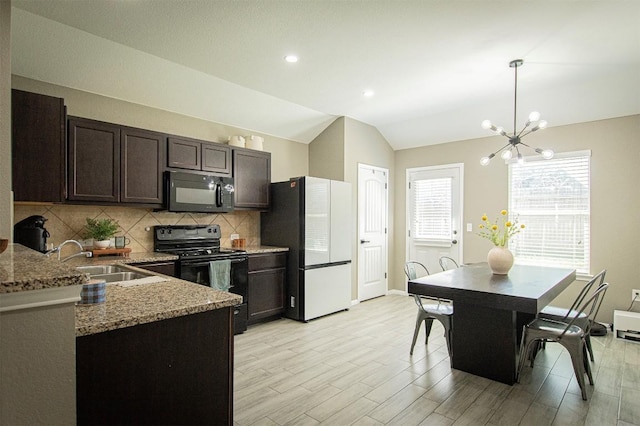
542	124
520	158
498	130
485	160
547	154
534	116
506	155
486	124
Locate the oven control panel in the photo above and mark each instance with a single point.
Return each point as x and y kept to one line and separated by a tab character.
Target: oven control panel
186	232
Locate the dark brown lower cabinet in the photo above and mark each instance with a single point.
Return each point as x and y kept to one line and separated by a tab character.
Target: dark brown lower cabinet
177	371
266	286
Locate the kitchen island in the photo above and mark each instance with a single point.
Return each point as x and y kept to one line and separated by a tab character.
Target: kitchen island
154	353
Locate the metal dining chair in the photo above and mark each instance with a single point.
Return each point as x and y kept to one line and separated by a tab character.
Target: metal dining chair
562	314
447	263
428	311
568	334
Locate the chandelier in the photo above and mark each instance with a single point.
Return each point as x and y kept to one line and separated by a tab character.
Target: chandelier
516	139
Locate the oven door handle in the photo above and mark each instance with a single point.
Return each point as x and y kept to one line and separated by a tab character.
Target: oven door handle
206	263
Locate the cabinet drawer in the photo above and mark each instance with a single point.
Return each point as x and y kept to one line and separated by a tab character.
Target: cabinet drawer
264	261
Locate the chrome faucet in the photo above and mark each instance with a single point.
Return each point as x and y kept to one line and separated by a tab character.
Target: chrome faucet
80	253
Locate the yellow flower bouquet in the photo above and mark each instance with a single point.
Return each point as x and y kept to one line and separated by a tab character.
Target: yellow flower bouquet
500	231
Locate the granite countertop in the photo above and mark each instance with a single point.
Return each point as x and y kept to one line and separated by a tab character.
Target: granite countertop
264	249
132	259
145	303
23	269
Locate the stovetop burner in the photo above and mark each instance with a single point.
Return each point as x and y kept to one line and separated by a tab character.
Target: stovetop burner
203	252
190	241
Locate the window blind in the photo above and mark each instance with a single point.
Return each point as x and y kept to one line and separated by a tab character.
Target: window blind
552	199
432	208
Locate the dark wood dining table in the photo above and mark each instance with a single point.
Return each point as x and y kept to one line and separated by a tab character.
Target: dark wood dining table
490	310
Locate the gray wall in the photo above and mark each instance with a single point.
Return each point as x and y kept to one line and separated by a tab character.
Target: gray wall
336	153
615	197
326	152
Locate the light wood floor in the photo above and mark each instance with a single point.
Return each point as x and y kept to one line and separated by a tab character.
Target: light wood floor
354	367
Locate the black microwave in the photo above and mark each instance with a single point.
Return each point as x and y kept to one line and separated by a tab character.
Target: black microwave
192	192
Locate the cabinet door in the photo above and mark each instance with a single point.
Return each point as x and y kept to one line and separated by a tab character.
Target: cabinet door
184	153
141	165
265	294
216	158
252	176
266	284
94	161
39	147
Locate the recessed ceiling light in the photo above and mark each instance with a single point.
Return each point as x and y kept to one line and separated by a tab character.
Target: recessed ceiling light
368	93
291	58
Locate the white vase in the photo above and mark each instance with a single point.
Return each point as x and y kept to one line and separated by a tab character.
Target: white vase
101	244
500	260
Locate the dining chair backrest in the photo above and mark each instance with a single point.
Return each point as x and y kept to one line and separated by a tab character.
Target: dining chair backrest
589	307
597	280
447	263
414	270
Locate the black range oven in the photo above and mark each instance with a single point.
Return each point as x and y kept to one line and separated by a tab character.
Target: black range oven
198	250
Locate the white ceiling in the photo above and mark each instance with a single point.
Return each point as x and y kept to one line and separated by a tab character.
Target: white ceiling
438	68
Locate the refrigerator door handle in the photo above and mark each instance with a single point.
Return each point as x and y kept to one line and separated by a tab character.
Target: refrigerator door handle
364	241
326	265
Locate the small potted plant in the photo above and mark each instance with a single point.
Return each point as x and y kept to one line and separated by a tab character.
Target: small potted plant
101	231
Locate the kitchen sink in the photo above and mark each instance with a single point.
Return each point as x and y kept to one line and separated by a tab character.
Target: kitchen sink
102	269
119	276
114	273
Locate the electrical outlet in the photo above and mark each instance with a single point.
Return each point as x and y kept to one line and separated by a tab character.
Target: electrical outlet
86	243
635	295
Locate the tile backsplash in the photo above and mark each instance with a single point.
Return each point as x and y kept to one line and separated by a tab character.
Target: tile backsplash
66	222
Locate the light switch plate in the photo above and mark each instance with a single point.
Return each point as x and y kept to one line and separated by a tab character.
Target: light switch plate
469	227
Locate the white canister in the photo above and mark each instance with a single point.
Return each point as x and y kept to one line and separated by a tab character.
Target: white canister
254	142
237	141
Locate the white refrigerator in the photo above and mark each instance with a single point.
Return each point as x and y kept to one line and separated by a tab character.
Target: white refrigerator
312	217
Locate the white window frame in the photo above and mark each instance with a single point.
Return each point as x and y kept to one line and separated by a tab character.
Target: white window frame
547	259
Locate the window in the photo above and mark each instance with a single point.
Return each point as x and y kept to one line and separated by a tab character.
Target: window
432	209
552	199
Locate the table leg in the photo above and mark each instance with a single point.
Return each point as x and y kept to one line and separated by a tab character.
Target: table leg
485	341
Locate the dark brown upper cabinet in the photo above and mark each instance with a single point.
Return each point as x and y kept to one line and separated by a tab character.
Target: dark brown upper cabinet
38	147
192	154
252	178
141	166
114	164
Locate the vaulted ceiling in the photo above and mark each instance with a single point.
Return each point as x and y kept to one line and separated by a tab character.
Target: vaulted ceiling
437	68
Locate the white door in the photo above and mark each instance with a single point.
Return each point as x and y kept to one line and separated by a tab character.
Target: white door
434	214
372	231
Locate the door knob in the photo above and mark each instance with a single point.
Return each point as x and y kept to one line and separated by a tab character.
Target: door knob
454	242
364	241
